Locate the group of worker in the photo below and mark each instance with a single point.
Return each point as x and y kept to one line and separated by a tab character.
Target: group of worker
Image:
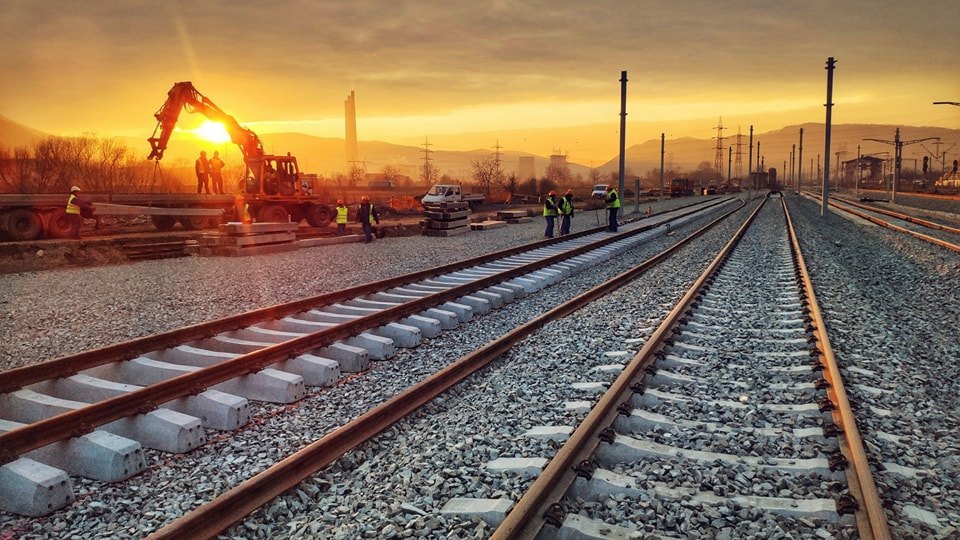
563	208
367	216
209	169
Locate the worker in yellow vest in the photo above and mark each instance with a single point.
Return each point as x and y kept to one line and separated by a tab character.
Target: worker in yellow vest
78	208
613	206
550	210
366	216
566	212
342	212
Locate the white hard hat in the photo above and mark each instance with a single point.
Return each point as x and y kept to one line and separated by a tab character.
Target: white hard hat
74	188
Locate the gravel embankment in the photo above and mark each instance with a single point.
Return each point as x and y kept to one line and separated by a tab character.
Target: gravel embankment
891	307
200	289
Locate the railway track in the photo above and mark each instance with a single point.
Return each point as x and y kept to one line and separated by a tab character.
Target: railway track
731	421
939	234
92	413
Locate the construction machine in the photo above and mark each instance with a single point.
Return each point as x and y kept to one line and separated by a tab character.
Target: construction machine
273	186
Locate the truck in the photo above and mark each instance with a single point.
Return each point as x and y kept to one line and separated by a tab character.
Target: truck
681	187
273	187
451	193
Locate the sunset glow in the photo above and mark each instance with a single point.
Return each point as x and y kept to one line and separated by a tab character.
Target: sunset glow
212	132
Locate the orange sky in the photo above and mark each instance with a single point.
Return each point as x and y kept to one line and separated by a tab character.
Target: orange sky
537	76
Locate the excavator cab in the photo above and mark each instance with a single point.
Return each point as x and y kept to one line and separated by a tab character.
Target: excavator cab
272	176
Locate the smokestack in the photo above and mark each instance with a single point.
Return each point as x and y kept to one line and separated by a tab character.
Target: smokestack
350	112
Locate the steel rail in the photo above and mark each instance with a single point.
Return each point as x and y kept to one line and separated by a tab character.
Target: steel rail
212	518
904	217
81	421
870	516
527	516
887	224
67	366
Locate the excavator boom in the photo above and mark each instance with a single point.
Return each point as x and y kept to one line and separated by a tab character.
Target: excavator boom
183	95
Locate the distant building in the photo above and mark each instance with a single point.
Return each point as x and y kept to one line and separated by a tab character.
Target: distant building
871	169
526	169
558	161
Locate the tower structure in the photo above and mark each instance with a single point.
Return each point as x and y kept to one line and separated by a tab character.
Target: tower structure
350	115
718	158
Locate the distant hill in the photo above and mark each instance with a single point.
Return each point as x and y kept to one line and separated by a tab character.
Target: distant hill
328	155
14	134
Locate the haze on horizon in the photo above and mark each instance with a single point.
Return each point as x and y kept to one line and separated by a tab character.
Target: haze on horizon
532	76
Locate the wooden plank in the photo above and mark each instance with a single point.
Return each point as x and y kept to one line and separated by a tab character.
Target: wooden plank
237	228
330	240
448	224
447	216
487	225
511	214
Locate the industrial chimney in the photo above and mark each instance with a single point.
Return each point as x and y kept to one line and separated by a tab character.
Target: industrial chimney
350	111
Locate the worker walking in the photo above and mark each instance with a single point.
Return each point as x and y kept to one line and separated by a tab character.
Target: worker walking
341	218
566	212
216	174
202	168
550	211
78	208
367	215
613	206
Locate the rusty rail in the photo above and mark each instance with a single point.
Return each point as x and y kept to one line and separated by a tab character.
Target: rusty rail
82	421
230	507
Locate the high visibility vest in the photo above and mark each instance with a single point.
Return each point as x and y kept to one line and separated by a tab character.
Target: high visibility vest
566	207
342	215
372	220
613	200
549	207
71	207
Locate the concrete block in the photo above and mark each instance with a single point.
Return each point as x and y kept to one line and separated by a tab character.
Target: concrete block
518	289
351	359
580	527
318	315
446	232
215	409
329	240
495	300
161	429
83	388
269	384
229	344
372	304
390	297
378	347
350	310
315	370
30	488
414	292
522	466
488	225
237	228
506	293
430	286
480	306
297	327
97	455
529	285
448	319
429	327
464	313
403	335
491	511
255	333
551	433
190	356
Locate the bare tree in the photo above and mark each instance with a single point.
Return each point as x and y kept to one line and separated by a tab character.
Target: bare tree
391	173
429	173
356	175
486	172
510	184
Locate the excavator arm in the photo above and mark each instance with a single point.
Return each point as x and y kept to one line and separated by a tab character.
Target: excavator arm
184	96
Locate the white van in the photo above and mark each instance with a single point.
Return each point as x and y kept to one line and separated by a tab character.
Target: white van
599	191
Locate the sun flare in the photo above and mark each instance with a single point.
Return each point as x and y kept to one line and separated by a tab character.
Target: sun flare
213	132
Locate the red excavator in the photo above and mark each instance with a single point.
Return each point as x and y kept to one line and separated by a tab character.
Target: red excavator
273	186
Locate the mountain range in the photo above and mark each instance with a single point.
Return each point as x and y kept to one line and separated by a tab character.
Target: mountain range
328	155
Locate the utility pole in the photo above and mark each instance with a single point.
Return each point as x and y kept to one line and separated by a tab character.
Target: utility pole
427	166
623	128
831	63
750	162
729	158
498	175
897	158
662	139
738	164
759	166
718	156
800	163
856	188
793	162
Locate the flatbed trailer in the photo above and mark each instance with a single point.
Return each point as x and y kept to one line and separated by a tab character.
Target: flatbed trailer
32	216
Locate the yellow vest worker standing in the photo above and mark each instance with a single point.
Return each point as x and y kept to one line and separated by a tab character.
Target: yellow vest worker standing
566	212
366	216
550	213
216	172
342	211
613	205
75	208
202	168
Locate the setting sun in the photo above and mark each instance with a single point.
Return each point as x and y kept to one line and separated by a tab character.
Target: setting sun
212	132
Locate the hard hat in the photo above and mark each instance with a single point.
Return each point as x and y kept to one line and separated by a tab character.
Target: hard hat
552	192
339	201
74	188
569	192
365	199
609	187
